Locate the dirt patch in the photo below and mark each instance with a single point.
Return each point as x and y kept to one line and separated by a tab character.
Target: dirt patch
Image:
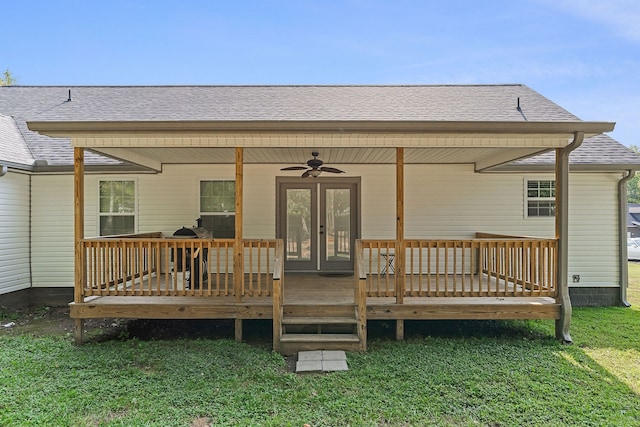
50	321
55	321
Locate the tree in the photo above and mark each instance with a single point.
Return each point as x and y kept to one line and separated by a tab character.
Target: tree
633	185
7	79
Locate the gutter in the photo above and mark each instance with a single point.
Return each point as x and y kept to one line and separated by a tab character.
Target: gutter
106	128
563	324
622	248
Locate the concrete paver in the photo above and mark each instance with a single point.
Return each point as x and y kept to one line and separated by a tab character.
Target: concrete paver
322	361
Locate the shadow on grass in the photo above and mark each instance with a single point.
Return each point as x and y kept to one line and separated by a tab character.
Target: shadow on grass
259	332
415	329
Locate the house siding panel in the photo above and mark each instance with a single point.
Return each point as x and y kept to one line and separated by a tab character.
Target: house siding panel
14	233
593	225
52	230
453	201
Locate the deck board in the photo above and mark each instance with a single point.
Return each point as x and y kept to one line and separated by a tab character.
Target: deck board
313	289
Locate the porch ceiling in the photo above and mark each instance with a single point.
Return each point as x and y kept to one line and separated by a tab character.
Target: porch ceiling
483	157
484	144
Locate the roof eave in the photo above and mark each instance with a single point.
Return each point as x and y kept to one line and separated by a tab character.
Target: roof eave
71	128
550	167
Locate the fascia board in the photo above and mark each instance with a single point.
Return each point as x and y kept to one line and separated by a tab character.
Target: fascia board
105	128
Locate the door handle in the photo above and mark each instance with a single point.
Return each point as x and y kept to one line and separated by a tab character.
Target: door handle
321	229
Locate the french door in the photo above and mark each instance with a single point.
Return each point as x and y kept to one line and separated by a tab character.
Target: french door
318	219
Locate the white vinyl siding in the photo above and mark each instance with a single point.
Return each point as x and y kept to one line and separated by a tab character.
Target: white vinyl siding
593	227
14	232
441	201
451	201
52	230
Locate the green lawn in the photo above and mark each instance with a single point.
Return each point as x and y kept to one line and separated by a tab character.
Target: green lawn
445	374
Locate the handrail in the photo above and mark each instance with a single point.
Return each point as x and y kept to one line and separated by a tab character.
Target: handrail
491	265
481	235
151	234
148	266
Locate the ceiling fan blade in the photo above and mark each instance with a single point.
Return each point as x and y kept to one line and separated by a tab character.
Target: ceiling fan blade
332	170
306	174
293	168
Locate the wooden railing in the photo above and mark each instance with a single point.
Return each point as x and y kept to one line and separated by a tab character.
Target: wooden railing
488	265
155	266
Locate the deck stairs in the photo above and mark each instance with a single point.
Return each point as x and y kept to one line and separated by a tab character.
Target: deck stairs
319	327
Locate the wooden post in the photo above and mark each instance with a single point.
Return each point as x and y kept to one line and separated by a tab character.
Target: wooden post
400	252
361	307
78	189
238	258
277	314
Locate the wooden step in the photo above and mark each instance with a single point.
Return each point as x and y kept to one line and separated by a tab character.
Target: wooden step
294	343
344	338
319	321
319	310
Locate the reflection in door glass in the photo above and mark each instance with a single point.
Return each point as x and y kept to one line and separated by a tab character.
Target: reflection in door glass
338	224
299	224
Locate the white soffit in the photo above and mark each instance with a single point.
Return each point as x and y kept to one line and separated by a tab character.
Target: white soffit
155	157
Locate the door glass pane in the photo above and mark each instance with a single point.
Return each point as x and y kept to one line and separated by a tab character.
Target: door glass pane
299	224
338	224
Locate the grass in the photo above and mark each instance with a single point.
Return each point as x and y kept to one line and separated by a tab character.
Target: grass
445	374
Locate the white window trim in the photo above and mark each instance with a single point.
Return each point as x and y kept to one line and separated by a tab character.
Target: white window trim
225	178
135	208
198	195
526	199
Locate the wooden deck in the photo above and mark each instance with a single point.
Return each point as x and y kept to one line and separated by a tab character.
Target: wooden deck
482	278
302	290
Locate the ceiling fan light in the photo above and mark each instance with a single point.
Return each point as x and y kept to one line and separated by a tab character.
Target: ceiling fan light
315	173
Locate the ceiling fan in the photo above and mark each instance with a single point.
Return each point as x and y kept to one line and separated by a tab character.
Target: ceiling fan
314	167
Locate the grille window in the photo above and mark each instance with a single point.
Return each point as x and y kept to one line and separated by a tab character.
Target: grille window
218	207
117	207
540	198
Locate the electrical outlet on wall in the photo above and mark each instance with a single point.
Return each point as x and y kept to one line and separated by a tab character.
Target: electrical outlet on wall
576	278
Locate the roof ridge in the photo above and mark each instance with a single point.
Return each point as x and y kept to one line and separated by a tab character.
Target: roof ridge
272	85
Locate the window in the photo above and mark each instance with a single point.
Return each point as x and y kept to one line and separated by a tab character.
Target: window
117	207
218	207
541	198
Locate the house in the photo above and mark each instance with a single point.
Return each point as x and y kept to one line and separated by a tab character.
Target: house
633	220
464	189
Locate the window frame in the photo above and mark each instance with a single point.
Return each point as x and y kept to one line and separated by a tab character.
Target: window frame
528	199
101	214
227	213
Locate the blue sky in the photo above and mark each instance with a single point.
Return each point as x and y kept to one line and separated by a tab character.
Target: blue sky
582	54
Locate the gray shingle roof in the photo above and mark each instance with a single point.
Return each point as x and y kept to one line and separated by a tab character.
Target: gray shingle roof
58	151
599	150
292	103
13	148
273	103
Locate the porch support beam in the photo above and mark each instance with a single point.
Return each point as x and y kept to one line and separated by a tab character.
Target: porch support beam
78	231
129	155
238	259
563	324
400	252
